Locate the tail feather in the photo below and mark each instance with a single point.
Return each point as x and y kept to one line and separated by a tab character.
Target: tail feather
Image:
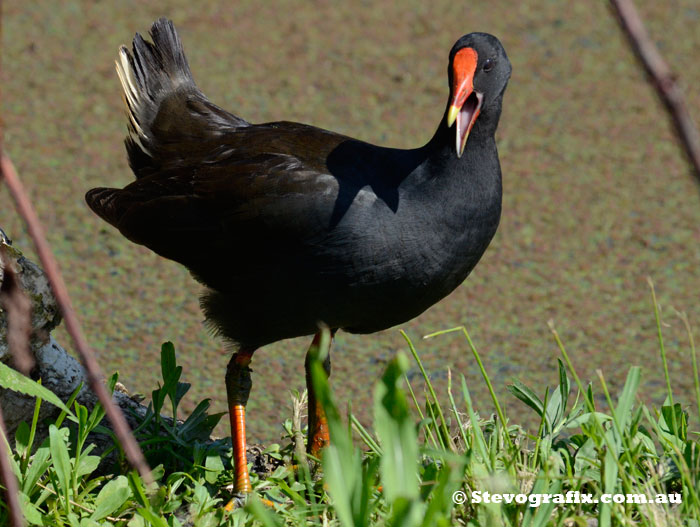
153	72
106	203
164	105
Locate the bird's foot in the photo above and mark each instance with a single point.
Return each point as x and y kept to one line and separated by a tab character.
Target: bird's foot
239	501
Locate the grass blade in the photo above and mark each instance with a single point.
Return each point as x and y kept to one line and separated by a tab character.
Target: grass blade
61	464
15	381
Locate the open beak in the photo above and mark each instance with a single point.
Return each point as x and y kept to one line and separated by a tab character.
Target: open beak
466	103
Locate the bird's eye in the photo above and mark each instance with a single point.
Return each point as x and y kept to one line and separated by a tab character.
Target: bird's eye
489	64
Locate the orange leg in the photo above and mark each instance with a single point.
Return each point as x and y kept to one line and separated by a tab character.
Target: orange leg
318	425
238	385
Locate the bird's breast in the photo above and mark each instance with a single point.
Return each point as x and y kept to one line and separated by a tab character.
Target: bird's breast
402	262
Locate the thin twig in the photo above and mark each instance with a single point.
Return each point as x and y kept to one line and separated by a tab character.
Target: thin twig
664	80
18	308
8	478
19	315
298	404
92	368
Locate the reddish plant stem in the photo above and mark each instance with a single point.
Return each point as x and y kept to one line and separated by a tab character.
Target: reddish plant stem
6	476
663	79
19	315
8	479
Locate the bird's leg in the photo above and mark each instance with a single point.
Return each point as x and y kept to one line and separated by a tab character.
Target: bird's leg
318	426
238	384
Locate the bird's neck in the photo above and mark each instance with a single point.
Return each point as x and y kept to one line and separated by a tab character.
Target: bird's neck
472	179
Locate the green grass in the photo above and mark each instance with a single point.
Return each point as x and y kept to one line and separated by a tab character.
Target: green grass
406	471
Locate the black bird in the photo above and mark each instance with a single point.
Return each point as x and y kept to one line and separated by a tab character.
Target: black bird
290	227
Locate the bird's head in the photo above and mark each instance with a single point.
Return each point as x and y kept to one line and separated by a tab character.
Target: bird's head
478	72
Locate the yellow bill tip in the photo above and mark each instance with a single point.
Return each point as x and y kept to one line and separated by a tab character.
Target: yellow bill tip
452	115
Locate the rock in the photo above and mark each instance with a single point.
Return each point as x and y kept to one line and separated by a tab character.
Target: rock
45	312
58	370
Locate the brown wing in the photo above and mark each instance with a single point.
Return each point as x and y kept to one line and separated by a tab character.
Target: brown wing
248	194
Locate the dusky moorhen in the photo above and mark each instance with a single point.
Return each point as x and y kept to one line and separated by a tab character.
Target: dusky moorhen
289	226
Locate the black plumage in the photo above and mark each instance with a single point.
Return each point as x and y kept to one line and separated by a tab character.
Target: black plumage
289	226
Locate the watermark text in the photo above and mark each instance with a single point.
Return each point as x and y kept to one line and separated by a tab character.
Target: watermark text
535	500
